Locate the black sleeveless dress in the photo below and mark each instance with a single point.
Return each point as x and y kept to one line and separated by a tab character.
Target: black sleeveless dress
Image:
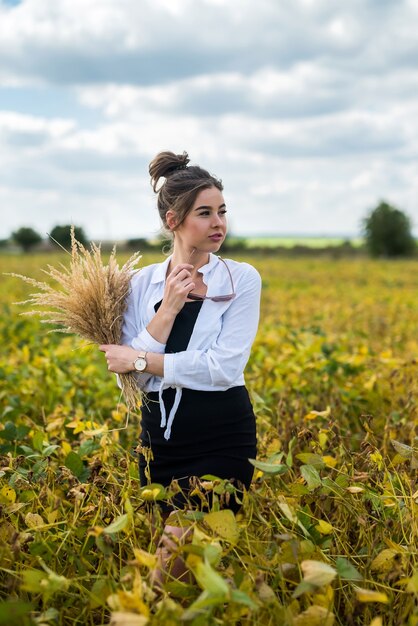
213	432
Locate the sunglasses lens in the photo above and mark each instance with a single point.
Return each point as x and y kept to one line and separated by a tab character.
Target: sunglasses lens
223	298
226	298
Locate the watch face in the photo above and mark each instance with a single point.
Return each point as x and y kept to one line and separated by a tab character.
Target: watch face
140	364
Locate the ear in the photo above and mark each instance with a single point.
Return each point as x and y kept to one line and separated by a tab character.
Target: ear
171	219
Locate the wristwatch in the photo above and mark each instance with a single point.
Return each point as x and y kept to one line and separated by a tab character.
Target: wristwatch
141	362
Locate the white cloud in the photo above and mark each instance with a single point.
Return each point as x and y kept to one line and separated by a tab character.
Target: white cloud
307	110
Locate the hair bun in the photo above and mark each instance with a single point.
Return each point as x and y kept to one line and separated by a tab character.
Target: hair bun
166	163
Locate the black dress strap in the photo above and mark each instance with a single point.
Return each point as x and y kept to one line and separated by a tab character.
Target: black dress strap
181	332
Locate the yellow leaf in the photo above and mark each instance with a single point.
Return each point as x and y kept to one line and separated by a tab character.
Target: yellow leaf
411	583
128	601
314	414
377	458
224	524
325	598
121	618
317	573
322	439
324	527
314	616
355	489
52	516
329	461
145	558
150	494
377	621
370	383
383	561
287	511
7	495
33	520
66	447
368	595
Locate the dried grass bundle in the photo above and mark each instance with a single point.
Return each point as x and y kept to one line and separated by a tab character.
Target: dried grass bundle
89	299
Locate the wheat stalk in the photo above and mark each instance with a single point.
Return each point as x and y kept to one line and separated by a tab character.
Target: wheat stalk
89	299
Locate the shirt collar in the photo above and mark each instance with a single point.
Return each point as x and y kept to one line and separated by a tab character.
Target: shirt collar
160	272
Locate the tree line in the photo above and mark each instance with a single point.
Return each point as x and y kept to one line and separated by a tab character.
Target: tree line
387	232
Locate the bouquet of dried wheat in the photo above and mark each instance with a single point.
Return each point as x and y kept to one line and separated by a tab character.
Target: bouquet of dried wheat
89	299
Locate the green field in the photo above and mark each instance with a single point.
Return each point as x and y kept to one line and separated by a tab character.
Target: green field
310	242
328	532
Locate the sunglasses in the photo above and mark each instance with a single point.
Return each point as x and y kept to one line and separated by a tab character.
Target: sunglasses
226	298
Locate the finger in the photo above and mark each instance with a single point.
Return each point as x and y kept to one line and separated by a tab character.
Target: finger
188	287
182	266
182	275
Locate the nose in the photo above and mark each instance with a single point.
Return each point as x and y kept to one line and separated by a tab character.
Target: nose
217	221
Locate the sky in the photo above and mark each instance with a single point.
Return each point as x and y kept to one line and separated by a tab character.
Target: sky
306	109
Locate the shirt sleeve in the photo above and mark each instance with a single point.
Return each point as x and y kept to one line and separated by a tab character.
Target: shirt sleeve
138	338
224	361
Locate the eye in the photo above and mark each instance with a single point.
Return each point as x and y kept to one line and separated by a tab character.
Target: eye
223	211
204	213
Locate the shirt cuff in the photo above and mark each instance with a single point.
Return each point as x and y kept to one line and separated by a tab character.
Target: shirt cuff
145	341
169	378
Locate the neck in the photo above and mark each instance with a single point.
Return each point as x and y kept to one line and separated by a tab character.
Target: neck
193	256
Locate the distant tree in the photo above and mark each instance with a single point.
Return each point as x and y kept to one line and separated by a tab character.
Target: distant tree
26	238
62	235
233	244
387	231
138	243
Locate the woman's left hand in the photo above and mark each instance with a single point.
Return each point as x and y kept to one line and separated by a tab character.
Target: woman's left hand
120	359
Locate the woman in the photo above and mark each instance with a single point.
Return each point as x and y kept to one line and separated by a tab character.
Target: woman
188	331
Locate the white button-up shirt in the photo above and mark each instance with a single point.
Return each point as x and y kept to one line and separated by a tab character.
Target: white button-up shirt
222	336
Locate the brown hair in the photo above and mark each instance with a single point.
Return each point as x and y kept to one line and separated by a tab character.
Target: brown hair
182	184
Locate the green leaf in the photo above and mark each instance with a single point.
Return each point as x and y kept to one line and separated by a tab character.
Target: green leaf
120	523
310	474
38	441
289	457
303	587
105	544
309	458
212	553
240	597
9	432
27	451
22	431
204	601
99	593
210	580
269	468
49	449
12	612
346	570
74	463
88	447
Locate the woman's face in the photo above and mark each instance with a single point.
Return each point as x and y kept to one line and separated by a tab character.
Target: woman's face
204	227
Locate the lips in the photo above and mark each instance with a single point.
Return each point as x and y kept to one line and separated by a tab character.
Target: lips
216	237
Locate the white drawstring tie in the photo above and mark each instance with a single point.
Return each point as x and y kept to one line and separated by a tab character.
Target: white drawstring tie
173	411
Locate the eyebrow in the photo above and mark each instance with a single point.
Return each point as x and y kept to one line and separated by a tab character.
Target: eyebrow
199	208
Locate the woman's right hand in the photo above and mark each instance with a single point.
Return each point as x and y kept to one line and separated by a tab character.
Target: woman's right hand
177	287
